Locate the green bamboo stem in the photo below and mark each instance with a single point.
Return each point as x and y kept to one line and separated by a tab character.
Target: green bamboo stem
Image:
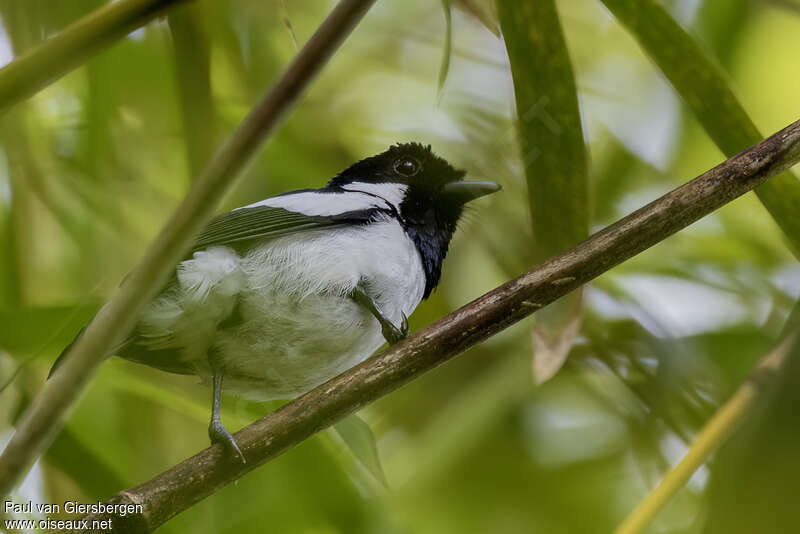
66	50
192	51
718	429
112	323
554	156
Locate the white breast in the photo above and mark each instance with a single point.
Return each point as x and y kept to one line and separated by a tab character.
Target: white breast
334	261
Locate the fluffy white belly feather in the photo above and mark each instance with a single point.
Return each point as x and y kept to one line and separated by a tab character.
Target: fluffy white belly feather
295	325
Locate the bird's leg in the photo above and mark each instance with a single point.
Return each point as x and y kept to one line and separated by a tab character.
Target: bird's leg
216	430
391	333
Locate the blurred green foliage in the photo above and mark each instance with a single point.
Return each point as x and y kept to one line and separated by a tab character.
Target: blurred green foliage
91	167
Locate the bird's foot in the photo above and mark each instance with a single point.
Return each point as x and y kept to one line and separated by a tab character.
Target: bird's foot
219	434
394	334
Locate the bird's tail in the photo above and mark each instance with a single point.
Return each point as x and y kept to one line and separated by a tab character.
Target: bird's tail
60	358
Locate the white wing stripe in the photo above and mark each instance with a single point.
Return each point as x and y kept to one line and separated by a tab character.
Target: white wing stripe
390	192
322	204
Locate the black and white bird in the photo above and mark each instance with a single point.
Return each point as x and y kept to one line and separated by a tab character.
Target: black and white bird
281	295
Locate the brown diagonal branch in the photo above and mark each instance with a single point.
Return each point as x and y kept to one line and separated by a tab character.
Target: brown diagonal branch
44	417
201	475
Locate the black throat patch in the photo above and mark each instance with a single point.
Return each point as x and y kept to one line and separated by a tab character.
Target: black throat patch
431	234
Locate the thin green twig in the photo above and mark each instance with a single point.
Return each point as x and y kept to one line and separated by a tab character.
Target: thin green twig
718	429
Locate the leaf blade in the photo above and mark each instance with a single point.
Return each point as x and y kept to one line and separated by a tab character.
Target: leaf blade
358	437
448	45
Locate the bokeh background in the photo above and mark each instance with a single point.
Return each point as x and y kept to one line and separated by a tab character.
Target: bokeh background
91	167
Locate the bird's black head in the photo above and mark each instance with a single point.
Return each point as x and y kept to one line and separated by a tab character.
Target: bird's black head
427	192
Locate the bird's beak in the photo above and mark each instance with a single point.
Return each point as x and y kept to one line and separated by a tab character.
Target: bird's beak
466	190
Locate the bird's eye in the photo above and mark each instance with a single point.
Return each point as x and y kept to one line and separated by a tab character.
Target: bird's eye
407	166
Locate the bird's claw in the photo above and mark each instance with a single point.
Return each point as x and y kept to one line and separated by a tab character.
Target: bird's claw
219	434
394	334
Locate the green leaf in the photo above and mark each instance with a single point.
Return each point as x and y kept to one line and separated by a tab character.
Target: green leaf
358	437
287	22
554	156
448	45
705	89
483	10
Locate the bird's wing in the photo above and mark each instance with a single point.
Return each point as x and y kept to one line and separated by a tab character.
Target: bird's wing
258	222
282	215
